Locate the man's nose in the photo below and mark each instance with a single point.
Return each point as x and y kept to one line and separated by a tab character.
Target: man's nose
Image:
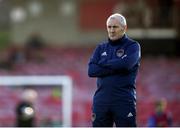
111	29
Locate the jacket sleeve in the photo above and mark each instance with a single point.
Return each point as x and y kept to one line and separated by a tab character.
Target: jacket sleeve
127	61
96	70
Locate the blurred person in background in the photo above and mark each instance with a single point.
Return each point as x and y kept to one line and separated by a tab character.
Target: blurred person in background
25	112
161	117
35	41
165	12
33	46
115	63
16	56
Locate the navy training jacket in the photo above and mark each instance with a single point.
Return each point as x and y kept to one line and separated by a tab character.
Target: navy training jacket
115	64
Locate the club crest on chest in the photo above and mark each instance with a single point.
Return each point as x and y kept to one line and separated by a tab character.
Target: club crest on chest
120	52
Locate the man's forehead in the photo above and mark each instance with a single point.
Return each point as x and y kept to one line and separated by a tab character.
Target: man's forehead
113	21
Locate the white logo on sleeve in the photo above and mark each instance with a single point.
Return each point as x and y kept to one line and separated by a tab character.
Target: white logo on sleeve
104	54
130	115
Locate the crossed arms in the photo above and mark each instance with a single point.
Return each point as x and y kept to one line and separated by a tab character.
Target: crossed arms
99	67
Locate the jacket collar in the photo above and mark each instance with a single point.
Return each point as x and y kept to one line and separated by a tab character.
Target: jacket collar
118	41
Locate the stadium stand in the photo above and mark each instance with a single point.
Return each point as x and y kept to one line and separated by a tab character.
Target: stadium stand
158	34
158	77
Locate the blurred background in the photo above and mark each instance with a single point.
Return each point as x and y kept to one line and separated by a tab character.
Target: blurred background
57	37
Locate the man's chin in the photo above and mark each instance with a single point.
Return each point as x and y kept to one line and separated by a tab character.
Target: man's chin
113	38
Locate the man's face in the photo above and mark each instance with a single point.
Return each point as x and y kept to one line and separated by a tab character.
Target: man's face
114	29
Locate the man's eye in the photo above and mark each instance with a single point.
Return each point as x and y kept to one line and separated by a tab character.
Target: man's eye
115	26
112	26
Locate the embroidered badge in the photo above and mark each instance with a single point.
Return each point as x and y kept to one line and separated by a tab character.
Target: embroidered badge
120	52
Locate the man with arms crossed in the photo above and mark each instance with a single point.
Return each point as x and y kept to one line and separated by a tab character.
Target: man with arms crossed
115	63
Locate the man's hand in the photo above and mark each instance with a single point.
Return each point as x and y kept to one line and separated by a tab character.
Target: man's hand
102	61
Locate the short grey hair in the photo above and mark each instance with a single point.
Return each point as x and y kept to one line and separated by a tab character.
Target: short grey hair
119	17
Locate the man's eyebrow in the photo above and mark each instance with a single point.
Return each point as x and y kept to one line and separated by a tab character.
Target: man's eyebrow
113	26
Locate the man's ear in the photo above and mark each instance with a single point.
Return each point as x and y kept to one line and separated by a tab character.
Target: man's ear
125	28
122	29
